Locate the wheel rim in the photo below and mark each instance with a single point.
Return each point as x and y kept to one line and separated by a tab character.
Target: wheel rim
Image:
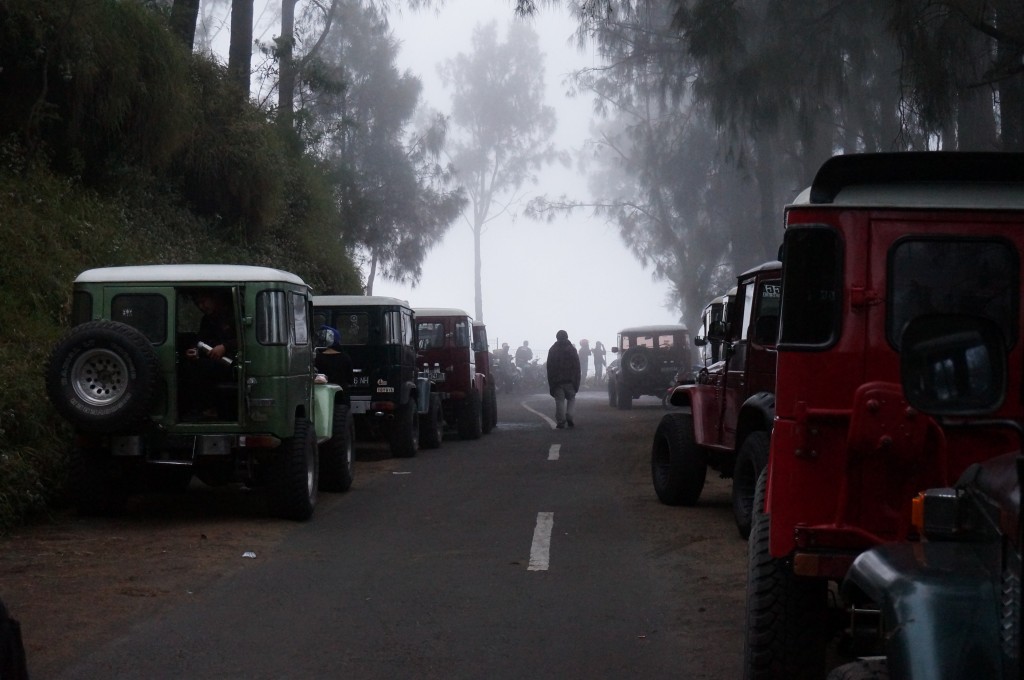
99	377
638	363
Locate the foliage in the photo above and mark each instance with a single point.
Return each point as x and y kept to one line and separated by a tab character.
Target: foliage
719	112
356	111
502	126
118	147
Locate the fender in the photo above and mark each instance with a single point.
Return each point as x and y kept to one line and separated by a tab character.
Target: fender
324	396
757	414
939	604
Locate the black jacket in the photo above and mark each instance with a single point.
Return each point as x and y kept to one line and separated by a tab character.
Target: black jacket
563	365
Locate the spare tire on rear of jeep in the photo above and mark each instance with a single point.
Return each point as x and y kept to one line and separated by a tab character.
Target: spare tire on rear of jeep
103	376
637	361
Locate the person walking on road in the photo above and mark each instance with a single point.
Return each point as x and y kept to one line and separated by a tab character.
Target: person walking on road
563	368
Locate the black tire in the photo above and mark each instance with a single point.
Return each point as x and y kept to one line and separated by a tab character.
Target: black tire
786	626
293	482
487	422
613	394
750	461
862	669
637	361
432	425
624	397
103	376
471	417
338	452
678	468
98	486
494	404
405	431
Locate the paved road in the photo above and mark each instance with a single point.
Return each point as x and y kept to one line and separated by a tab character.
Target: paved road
530	553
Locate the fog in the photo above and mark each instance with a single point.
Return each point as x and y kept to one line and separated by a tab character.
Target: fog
537	277
573	273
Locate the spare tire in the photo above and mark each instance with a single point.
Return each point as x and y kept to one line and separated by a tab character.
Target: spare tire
637	361
103	376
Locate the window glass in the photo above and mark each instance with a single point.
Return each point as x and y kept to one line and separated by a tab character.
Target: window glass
81	307
145	313
431	334
354	327
462	333
408	336
392	328
812	287
953	276
271	318
747	291
766	329
300	319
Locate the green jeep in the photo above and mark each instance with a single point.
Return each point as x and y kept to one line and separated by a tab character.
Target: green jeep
171	371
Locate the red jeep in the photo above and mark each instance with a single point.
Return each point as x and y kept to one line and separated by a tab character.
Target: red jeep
732	404
876	241
482	353
446	351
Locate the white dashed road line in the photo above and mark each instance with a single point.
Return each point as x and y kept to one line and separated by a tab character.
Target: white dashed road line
553	451
540	551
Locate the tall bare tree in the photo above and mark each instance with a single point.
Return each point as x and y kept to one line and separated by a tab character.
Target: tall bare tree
501	126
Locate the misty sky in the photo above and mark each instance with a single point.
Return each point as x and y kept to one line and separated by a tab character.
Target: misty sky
538	277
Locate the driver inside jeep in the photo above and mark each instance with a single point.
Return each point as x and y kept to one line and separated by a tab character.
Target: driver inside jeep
208	376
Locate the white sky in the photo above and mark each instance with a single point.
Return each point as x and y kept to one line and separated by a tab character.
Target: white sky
538	277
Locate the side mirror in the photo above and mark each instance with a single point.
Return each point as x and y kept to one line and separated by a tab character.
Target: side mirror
699	341
615	350
953	364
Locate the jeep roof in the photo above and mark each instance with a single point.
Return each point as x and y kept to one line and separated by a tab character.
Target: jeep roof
185	273
440	311
357	301
953	179
654	328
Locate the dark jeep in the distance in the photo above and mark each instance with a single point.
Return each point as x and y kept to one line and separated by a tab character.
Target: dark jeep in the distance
152	403
649	359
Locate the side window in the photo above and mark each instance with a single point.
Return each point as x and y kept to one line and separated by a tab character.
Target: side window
766	321
81	307
462	333
953	276
747	291
812	293
392	328
271	318
300	319
145	313
408	336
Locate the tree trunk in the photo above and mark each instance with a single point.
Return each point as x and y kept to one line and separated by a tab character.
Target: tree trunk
184	15
286	57
477	264
368	289
240	50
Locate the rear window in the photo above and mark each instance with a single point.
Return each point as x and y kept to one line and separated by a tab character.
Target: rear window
430	334
812	287
953	276
145	313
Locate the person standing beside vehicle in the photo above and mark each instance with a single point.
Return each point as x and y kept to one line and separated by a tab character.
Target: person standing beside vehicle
584	359
599	361
563	367
332	361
